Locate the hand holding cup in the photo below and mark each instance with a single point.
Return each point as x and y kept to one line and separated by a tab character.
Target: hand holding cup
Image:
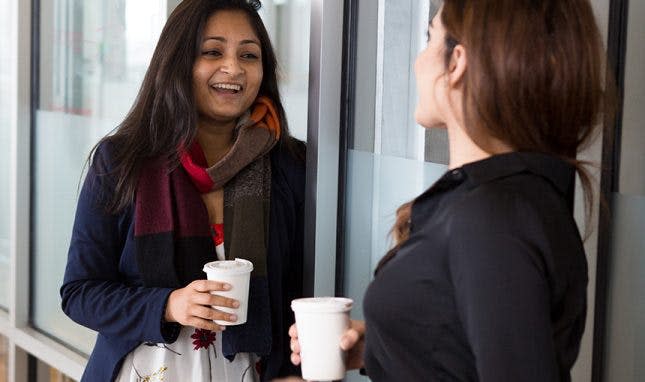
321	322
193	305
237	274
352	342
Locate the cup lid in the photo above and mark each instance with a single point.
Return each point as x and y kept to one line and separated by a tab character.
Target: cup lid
322	304
229	267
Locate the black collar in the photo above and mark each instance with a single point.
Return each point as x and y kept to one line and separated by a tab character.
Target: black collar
555	170
558	172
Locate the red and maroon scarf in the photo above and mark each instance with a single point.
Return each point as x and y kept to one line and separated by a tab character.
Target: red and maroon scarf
172	231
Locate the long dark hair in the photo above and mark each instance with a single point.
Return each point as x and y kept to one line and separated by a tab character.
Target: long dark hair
534	80
164	115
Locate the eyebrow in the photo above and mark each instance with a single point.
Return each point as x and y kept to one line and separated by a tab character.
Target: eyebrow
243	42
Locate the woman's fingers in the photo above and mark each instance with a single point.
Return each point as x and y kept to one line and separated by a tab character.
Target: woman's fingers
353	334
208	313
195	305
293	331
294	345
206	298
349	339
295	359
203	295
200	323
209	286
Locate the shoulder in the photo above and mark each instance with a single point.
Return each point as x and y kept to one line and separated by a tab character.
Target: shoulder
288	165
102	156
100	179
521	214
289	154
518	214
510	204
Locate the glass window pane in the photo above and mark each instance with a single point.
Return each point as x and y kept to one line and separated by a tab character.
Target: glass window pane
625	344
47	373
7	44
387	148
287	22
93	55
4	358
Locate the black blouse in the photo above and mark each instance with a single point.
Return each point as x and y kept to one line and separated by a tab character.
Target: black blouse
490	286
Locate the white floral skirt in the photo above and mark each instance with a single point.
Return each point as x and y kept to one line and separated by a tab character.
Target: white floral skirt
195	356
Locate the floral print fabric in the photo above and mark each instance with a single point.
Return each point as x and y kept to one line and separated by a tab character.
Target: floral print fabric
195	356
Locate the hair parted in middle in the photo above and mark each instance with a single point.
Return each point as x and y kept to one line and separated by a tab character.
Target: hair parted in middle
164	116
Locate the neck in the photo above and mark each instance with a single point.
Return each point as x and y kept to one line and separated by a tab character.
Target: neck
215	141
462	148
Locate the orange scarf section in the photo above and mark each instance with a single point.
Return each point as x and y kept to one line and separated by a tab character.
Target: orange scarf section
265	116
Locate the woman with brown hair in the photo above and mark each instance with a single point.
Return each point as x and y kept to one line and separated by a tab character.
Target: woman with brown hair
202	168
487	280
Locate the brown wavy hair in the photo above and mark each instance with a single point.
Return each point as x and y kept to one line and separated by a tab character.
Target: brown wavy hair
534	80
163	117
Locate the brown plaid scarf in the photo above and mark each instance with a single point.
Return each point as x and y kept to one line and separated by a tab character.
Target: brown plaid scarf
172	231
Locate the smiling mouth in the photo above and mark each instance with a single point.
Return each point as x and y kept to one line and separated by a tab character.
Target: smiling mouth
227	88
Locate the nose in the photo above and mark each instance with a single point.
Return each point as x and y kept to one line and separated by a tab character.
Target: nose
231	65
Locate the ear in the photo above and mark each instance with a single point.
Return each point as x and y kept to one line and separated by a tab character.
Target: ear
458	65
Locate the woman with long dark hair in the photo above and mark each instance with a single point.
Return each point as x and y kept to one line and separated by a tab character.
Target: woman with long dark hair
202	168
488	277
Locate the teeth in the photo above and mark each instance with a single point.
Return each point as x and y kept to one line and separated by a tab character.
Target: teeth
228	87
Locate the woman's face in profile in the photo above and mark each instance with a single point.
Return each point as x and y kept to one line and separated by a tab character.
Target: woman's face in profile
228	70
429	68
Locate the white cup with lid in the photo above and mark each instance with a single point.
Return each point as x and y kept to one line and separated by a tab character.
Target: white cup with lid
237	273
321	323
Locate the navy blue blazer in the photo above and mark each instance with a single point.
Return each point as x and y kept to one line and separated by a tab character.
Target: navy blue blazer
103	290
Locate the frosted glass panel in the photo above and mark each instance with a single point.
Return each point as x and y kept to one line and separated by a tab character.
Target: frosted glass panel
45	372
632	145
4	358
287	22
377	186
626	302
625	326
93	56
390	159
7	84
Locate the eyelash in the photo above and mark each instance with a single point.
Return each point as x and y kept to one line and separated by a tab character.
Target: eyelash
217	53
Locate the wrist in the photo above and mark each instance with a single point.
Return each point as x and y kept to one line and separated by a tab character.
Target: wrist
168	316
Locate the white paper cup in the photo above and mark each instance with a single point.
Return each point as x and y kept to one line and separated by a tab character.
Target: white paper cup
321	322
237	273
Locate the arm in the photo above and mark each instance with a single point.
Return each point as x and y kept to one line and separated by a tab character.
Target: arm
95	293
502	297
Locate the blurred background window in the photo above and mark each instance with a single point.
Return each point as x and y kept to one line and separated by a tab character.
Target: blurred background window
390	158
4	357
92	58
7	100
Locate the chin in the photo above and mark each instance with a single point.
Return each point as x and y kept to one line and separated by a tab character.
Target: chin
427	122
227	114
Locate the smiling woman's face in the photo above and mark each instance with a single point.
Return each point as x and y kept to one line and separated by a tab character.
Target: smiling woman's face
228	71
